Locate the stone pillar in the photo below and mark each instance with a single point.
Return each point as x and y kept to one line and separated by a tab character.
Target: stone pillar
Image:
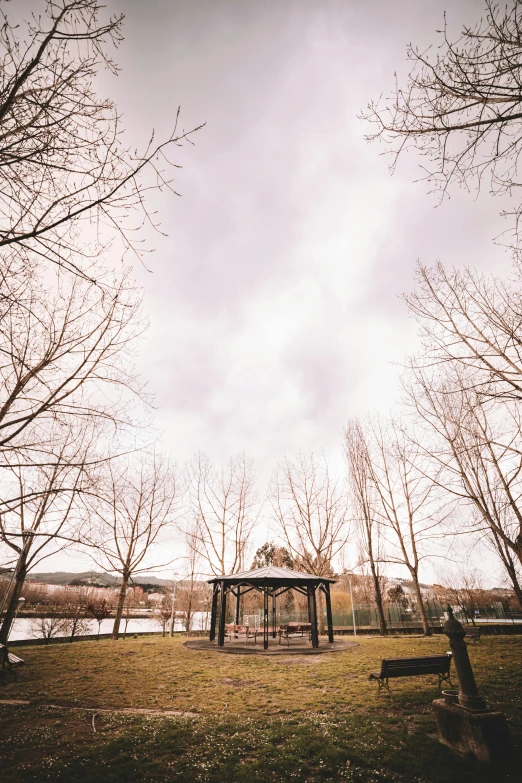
465	723
469	696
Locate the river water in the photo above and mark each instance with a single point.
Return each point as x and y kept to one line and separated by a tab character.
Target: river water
23	627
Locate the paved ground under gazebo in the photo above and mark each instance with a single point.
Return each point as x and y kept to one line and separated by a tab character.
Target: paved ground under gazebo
296	647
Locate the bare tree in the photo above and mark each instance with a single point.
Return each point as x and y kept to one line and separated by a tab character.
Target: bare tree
223	510
40	511
188	588
310	508
363	499
161	615
470	321
462	588
99	611
479	448
409	501
462	105
76	623
48	627
64	354
64	170
139	503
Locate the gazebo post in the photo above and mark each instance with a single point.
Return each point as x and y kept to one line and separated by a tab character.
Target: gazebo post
265	618
312	614
238	606
273	613
213	614
223	617
329	618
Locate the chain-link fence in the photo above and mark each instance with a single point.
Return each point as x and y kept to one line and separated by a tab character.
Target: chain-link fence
399	617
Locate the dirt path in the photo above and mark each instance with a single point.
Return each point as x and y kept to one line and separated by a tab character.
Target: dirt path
125	710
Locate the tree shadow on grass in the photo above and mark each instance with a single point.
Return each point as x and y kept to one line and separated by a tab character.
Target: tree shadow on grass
312	748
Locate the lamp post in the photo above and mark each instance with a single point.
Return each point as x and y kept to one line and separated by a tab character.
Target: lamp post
174	584
353	608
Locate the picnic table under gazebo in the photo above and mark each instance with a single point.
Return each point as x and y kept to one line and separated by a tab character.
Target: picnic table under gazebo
272	582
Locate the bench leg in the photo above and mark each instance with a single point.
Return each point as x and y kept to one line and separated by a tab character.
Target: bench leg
383	684
445	678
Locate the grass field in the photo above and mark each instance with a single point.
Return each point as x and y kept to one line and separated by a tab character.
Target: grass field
244	719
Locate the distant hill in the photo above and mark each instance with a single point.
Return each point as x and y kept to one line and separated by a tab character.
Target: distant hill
98	579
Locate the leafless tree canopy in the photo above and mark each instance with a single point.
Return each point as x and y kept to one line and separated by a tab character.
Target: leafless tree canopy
64	353
139	503
409	501
310	507
363	499
223	508
68	184
461	106
41	505
470	321
478	445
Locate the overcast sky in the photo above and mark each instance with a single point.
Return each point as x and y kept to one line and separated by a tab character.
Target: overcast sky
275	299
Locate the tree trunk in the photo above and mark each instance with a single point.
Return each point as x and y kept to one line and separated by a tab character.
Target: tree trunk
424	620
505	556
516	585
119	608
378	600
12	603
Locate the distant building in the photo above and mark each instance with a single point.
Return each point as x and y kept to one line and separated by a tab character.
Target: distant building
155	598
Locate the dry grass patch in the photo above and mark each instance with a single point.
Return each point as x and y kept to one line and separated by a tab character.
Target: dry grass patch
253	718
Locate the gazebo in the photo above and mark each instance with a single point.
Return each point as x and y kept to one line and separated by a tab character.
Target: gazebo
273	582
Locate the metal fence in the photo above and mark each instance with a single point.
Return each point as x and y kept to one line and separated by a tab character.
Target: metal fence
397	616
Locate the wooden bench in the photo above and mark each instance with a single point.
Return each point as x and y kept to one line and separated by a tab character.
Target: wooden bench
473	634
413	667
294	629
234	631
10	661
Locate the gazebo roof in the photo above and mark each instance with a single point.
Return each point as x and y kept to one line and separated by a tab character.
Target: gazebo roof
272	575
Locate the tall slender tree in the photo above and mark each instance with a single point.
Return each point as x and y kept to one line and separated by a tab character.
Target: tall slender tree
409	502
310	508
362	496
136	506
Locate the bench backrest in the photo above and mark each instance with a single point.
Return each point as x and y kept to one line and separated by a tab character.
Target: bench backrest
407	667
472	631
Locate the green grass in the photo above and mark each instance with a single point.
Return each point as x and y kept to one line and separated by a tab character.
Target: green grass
249	718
